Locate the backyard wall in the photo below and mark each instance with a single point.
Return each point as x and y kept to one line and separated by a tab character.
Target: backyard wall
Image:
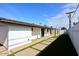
74	35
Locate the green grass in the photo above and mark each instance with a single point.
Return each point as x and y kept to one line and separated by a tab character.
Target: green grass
11	55
56	36
35	48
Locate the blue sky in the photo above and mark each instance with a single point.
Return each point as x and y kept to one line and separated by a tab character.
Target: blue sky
32	13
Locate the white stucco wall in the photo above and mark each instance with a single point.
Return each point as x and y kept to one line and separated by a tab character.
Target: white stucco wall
74	35
36	33
18	35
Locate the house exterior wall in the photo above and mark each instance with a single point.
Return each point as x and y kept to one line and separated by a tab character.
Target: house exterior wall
46	33
18	35
3	35
36	33
53	32
74	35
12	36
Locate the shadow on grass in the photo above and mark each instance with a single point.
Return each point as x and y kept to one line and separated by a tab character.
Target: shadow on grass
62	46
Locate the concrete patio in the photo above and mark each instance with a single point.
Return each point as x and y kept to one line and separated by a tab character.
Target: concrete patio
35	49
3	51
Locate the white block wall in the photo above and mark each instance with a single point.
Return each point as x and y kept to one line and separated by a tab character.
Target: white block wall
36	33
18	35
74	35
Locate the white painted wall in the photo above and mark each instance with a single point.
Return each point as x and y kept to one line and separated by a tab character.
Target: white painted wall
12	36
3	35
36	33
46	33
74	35
53	32
18	35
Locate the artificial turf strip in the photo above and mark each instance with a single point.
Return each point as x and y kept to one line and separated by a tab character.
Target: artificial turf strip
35	48
29	46
11	55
